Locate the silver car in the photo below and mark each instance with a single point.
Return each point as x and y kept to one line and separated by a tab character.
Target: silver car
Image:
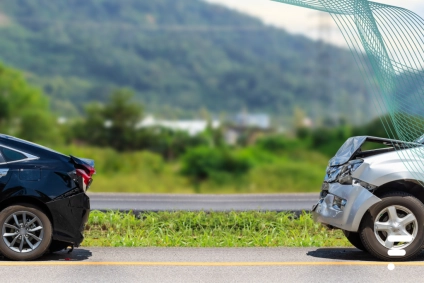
376	197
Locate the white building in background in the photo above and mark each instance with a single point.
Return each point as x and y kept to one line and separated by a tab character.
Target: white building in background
251	126
307	122
62	120
261	121
192	127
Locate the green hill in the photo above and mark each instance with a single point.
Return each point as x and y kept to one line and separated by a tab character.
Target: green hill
176	55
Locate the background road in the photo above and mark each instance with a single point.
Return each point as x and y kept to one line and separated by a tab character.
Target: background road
161	202
210	265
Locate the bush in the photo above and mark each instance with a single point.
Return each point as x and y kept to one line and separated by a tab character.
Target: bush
278	143
203	163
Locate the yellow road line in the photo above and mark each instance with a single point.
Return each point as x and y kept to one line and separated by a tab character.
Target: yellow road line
138	263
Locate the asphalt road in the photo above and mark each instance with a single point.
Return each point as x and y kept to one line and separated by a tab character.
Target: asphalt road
211	265
169	202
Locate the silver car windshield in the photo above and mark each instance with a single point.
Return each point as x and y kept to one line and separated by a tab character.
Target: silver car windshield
420	139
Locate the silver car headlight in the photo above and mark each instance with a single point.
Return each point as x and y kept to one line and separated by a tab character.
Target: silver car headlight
332	174
345	177
342	174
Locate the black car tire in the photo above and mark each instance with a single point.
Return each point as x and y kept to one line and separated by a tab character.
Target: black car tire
369	238
45	240
355	239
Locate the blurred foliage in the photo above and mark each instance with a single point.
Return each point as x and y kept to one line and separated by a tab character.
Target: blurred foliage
218	164
112	124
280	143
176	55
116	125
275	163
24	110
131	158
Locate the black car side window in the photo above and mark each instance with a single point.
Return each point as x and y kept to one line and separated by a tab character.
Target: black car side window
11	155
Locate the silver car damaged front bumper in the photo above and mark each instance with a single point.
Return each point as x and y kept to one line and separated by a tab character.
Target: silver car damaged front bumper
356	201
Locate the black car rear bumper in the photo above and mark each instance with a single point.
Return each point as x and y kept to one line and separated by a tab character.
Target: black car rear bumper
69	216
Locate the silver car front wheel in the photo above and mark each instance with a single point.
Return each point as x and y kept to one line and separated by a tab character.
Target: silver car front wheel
398	214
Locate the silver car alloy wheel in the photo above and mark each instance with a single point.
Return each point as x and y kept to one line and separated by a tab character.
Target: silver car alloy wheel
395	220
22	231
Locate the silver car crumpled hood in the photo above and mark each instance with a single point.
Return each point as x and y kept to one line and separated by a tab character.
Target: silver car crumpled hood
346	151
353	144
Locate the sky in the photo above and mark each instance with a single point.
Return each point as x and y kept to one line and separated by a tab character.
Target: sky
300	20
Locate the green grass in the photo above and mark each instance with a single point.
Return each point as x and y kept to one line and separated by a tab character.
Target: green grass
208	229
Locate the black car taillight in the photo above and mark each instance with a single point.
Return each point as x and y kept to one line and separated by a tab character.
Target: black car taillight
90	171
85	172
85	177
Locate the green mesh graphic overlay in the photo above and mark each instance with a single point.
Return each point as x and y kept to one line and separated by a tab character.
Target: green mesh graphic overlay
388	45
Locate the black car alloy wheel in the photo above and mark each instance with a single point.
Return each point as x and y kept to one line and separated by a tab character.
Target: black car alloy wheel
26	232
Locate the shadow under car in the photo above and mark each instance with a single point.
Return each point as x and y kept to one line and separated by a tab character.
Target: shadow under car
75	255
348	254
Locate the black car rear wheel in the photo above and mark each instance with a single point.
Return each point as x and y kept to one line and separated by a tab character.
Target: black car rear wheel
26	232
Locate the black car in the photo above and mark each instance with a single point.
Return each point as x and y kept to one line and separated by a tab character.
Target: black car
43	205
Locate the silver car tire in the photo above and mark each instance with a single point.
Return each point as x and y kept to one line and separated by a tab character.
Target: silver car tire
355	239
398	213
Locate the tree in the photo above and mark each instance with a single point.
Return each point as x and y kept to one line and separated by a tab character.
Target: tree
113	124
123	115
24	109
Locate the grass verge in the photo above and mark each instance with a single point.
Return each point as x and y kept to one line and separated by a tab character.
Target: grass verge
208	229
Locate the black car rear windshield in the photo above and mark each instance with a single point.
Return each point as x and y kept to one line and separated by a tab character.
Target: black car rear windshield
11	155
